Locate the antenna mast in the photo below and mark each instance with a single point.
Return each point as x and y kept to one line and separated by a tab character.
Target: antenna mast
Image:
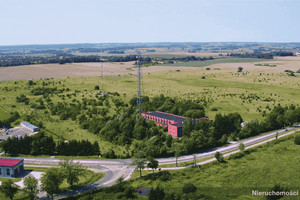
102	93
139	92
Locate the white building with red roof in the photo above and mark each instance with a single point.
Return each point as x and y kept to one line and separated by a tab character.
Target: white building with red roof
10	167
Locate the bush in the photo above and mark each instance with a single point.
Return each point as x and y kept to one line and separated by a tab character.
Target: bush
214	109
219	157
164	175
22	98
236	155
297	140
156	193
276	188
189	188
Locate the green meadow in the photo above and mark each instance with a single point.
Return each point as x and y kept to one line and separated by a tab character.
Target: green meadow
218	60
252	93
276	162
261	168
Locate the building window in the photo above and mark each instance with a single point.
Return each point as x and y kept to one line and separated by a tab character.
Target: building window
0	171
7	172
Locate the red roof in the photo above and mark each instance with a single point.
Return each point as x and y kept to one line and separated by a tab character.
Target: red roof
9	162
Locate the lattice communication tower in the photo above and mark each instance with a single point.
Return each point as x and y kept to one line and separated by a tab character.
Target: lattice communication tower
139	87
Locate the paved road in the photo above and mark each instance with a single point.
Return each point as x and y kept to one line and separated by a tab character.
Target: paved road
115	169
224	149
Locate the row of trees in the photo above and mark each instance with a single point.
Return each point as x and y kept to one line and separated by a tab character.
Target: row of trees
188	58
278	117
253	55
62	58
40	144
259	54
16	60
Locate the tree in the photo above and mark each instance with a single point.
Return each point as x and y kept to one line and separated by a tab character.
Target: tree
129	192
9	189
120	180
153	164
240	69
169	140
139	161
51	181
242	147
178	151
72	171
195	161
297	139
30	83
31	187
219	157
156	193
187	127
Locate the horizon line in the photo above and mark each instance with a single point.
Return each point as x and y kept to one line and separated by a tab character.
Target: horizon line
80	43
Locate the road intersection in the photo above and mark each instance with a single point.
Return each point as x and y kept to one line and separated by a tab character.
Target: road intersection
115	169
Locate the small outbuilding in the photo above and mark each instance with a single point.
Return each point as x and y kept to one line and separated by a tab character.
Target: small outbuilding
10	167
29	126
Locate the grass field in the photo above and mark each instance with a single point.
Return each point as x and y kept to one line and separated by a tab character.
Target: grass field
3	114
275	162
218	60
252	93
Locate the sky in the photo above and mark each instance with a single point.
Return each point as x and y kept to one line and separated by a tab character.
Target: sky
122	21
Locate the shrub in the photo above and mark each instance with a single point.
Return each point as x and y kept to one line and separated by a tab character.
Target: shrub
219	157
242	147
30	83
214	109
297	140
156	193
276	188
236	155
164	175
189	188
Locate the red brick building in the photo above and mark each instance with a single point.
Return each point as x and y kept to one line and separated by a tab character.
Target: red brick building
173	122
